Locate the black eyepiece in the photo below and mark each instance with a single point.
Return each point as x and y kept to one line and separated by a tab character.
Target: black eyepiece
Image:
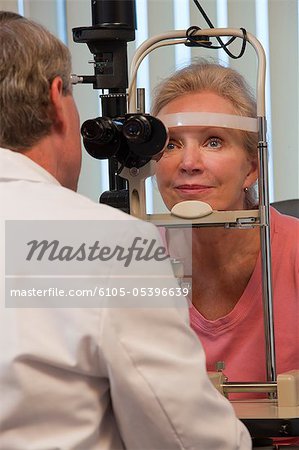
101	137
99	130
137	129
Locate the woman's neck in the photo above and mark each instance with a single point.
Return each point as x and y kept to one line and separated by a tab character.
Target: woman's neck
222	264
219	245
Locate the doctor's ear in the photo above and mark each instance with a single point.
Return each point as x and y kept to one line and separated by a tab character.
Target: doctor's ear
57	103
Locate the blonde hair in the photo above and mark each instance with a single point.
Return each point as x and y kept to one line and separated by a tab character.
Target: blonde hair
31	57
204	75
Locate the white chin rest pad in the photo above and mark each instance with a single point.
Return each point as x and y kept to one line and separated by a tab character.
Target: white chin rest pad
191	209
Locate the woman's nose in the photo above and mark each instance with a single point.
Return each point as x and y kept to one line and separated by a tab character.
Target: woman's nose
192	161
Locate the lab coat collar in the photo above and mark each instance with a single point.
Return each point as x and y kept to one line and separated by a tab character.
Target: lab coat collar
17	166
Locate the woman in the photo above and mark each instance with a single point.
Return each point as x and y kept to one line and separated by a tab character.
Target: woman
218	166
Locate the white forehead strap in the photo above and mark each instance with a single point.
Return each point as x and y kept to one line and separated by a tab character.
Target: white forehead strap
208	119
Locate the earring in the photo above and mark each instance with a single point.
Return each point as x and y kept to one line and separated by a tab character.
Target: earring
246	190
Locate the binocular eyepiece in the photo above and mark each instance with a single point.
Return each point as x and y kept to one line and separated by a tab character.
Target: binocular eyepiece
137	129
133	139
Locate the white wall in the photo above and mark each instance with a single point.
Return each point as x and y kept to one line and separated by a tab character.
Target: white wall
275	22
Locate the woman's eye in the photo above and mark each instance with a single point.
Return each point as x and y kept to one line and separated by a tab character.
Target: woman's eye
214	142
171	146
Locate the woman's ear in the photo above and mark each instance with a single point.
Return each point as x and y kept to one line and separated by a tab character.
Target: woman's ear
252	174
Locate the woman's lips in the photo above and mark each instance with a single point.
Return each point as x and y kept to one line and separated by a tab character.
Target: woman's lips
192	188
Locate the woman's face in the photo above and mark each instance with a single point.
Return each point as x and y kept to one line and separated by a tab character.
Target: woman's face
208	164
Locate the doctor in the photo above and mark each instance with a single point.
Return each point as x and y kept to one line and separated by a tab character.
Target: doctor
86	378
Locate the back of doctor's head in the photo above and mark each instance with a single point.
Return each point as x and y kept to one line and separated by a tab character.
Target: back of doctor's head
31	57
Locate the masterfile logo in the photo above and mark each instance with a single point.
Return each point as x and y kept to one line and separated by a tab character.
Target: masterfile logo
87	264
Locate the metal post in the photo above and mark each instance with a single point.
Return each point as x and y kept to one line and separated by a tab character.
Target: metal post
266	252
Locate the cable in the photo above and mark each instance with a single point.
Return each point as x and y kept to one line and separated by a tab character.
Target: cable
193	41
199	41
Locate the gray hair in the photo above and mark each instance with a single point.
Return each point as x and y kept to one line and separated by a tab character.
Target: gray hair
31	57
204	75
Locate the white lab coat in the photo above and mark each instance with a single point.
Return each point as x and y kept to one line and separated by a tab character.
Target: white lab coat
106	378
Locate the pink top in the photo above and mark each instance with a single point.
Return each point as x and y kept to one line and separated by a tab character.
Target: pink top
238	338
